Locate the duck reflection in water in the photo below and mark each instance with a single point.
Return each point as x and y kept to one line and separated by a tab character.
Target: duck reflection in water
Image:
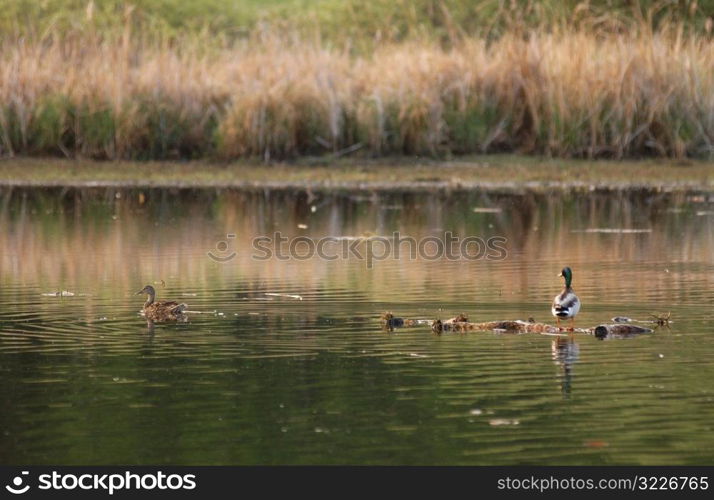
565	352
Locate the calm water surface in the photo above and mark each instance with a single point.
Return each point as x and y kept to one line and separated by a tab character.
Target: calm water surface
285	361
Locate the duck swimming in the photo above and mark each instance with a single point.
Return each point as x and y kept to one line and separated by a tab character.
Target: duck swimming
163	310
566	304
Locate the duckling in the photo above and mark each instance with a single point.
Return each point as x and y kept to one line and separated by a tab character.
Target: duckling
389	321
162	310
566	304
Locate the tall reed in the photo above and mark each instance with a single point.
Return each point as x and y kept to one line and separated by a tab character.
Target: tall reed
560	92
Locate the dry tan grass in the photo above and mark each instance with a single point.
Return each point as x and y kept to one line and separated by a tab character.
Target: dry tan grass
563	93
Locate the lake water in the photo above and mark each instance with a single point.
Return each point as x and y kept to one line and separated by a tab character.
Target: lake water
285	362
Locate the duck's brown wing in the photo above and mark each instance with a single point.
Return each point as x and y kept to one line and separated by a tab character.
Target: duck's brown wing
165	311
168	305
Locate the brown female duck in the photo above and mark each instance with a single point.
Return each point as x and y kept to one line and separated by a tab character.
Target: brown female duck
163	310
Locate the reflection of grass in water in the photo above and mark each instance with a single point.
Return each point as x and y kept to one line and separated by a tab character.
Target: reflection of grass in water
98	243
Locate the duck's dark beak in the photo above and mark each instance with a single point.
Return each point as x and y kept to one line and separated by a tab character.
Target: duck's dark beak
139	292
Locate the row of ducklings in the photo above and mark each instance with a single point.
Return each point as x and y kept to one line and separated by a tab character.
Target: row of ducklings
462	324
565	305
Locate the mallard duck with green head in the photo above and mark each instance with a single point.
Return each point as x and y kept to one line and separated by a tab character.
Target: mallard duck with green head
566	304
162	310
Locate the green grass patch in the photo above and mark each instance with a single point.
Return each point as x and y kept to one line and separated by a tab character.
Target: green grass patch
362	23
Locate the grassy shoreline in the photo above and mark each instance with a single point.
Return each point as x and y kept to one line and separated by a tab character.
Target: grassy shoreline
555	92
490	172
